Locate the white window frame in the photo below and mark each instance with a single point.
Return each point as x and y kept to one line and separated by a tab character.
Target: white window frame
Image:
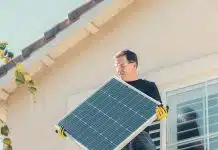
163	123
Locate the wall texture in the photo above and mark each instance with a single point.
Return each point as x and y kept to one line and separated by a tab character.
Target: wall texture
176	42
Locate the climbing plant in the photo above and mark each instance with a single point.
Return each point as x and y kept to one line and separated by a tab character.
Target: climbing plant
21	77
5	135
5	55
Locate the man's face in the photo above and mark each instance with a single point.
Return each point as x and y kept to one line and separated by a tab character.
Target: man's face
123	67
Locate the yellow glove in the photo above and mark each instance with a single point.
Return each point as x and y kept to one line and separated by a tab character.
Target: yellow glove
61	132
161	112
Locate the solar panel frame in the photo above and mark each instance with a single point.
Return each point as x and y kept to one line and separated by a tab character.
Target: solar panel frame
133	134
144	125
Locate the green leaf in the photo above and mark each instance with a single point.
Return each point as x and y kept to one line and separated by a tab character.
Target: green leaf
5	53
32	90
9	147
20	76
3	45
31	83
7	141
5	130
10	55
19	82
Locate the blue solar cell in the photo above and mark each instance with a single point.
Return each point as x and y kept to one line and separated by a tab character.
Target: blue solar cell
83	110
108	116
87	136
118	111
116	128
98	141
132	123
91	119
125	116
110	146
121	136
101	145
105	125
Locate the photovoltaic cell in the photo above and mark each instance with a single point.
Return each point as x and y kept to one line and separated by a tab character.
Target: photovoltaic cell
110	115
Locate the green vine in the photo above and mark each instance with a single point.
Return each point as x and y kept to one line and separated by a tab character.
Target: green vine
5	135
21	77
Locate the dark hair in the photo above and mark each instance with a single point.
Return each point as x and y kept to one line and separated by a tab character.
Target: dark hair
130	56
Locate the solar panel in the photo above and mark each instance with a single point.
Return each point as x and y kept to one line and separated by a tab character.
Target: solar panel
111	117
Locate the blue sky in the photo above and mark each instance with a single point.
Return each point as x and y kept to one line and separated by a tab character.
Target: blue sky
24	21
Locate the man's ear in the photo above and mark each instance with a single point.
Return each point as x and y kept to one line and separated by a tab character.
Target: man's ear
135	65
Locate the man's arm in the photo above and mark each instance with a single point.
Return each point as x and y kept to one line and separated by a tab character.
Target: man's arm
155	92
161	111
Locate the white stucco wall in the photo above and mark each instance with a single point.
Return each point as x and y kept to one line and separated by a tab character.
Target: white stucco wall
176	42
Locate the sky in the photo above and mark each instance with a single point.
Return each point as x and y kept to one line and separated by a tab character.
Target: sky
24	21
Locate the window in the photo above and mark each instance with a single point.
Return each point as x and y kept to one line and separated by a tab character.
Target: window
193	117
154	131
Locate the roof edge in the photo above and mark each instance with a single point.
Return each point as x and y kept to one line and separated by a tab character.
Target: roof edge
49	58
49	35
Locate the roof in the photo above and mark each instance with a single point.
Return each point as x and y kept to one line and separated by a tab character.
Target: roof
59	39
49	35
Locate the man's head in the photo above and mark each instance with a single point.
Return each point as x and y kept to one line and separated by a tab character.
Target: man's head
126	63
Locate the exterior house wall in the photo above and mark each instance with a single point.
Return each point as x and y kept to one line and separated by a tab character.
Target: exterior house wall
176	42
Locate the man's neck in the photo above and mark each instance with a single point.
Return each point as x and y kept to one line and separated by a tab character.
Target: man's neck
130	78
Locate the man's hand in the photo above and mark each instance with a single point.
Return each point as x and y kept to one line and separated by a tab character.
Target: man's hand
61	132
161	112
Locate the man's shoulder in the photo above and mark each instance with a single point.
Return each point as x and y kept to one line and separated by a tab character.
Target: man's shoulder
147	82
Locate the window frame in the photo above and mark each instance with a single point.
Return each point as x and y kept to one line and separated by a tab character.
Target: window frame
163	123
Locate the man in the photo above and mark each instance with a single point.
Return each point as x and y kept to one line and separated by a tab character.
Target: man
126	63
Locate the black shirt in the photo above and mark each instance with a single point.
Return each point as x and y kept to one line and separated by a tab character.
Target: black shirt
147	87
